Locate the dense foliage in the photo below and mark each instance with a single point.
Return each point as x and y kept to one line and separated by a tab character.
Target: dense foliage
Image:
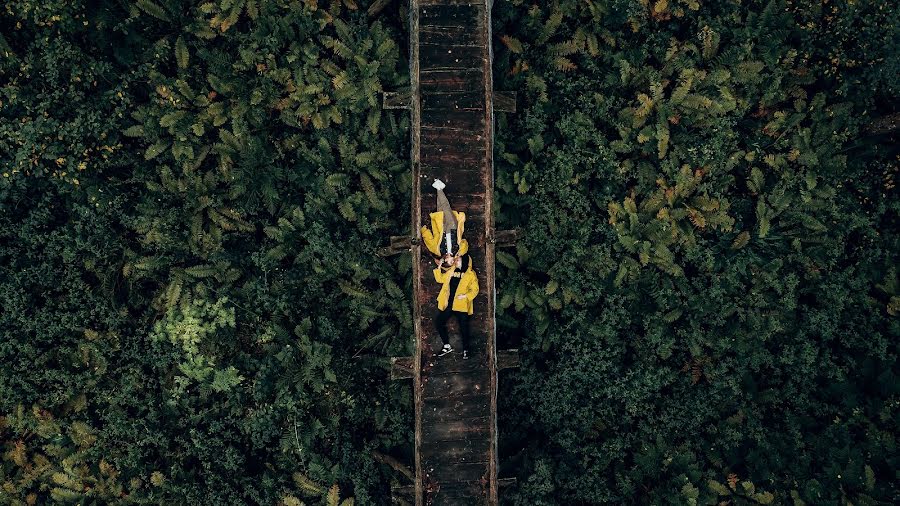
706	298
708	282
191	198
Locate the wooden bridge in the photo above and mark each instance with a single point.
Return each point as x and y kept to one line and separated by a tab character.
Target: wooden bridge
451	102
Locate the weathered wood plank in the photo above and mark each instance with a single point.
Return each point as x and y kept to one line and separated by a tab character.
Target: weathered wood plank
507	359
437	168
454	2
468	202
453	101
451	57
402	367
451	136
463	16
468	120
396	99
457	471
450	80
505	101
504	238
458	449
460	494
404	496
463	36
455	428
458	384
432	154
472	406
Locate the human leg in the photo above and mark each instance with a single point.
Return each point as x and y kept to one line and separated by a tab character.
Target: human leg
444	205
440	322
463	320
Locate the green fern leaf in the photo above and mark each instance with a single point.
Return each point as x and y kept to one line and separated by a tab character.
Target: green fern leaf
182	55
155	150
152	9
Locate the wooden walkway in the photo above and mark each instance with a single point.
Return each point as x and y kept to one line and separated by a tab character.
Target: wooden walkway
451	105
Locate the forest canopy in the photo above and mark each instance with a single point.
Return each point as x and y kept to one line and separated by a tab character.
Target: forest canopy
706	298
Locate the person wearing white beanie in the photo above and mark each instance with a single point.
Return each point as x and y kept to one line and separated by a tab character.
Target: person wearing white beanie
445	238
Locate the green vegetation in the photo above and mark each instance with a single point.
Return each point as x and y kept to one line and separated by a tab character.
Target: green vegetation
717	320
707	299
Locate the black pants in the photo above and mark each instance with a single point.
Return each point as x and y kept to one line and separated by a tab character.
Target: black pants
462	319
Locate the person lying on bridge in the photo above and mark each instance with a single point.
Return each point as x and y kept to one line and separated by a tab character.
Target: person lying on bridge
460	284
445	239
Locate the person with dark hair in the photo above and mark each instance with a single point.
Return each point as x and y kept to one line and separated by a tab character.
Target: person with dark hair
445	238
460	285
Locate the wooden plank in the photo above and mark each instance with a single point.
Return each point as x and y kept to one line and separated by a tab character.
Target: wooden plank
450	80
451	57
442	498
453	429
505	101
404	496
432	154
453	101
504	238
456	450
460	494
396	99
454	118
507	359
454	362
415	123
457	471
462	36
462	199
462	16
457	384
470	406
436	168
454	2
451	136
402	367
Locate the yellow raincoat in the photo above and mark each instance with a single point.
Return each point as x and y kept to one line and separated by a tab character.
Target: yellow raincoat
432	238
468	286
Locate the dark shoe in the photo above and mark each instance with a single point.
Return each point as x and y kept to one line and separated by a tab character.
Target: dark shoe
445	350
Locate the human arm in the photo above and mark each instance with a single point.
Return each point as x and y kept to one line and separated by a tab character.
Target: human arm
472	290
463	248
430	240
440	275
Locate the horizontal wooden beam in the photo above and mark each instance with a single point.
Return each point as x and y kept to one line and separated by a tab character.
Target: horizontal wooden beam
399	244
503	238
403	496
401	367
505	101
507	359
395	465
396	99
505	482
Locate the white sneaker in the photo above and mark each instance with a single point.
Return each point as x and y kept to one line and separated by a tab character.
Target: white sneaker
438	184
445	350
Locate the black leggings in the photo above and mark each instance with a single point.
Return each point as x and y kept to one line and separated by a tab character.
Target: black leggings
461	318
